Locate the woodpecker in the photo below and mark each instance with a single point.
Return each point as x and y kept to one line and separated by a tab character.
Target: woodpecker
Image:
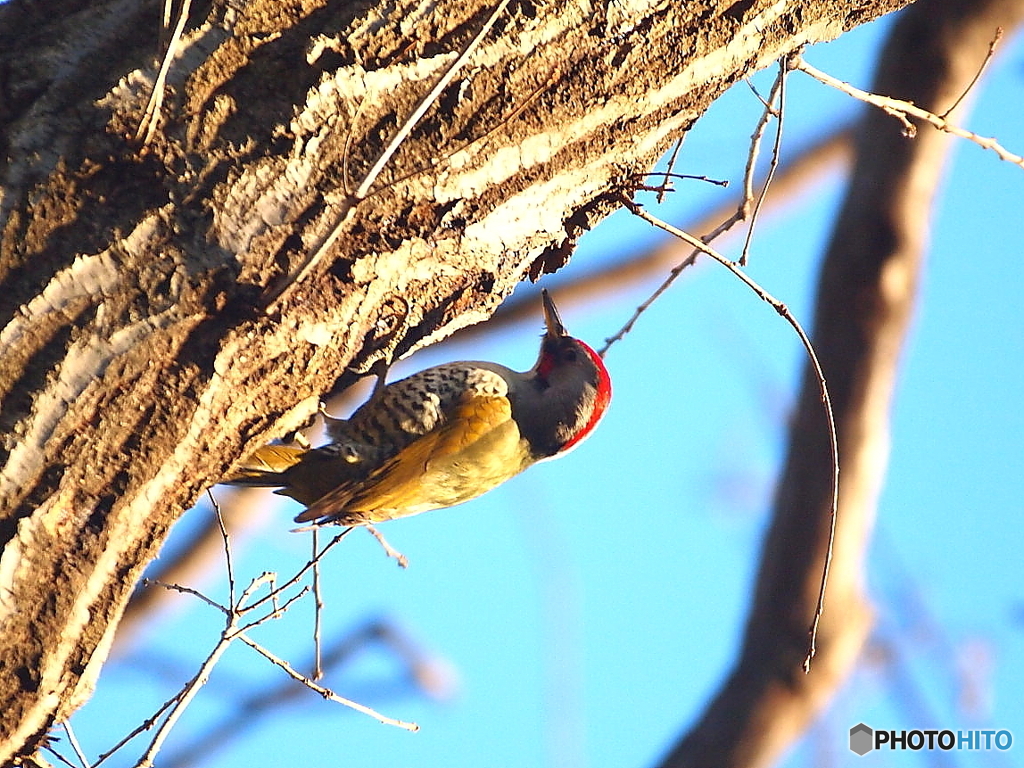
442	436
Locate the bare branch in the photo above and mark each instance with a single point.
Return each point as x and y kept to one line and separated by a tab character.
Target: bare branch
318	607
183	699
826	401
228	561
903	109
778	91
325	692
275	593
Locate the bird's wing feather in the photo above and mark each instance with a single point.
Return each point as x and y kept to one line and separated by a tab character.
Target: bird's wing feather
398	484
265	465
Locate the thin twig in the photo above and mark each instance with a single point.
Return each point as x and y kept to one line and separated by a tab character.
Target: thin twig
301	572
426	102
233	629
744	206
666	186
147	126
186	591
783	310
75	746
431	677
901	109
186	695
432	162
668	169
267	577
766	103
977	75
403	561
769	111
145	725
325	692
46	745
628	326
318	608
677	270
396	141
228	562
778	91
278	612
348	144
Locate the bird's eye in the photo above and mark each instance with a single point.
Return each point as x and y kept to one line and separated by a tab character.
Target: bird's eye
570	356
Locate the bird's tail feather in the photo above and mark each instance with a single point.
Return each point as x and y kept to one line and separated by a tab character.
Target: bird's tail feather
265	466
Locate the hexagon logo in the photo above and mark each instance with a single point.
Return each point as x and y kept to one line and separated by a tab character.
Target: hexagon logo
861	739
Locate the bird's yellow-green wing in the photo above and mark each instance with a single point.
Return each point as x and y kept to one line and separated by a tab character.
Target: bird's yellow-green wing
476	449
263	465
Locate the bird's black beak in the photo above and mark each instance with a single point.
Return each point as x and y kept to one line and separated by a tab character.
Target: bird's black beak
555	329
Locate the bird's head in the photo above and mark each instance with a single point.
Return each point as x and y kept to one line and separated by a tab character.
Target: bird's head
573	380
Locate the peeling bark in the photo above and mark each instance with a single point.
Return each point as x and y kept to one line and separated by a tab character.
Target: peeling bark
142	349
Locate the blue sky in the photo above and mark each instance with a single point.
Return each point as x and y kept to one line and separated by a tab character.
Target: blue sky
588	608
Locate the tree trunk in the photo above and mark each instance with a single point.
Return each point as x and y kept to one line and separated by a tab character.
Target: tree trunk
175	292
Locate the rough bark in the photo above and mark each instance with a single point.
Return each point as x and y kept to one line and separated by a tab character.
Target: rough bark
146	342
865	300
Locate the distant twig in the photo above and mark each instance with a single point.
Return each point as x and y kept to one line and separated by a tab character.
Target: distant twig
902	109
977	75
783	310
